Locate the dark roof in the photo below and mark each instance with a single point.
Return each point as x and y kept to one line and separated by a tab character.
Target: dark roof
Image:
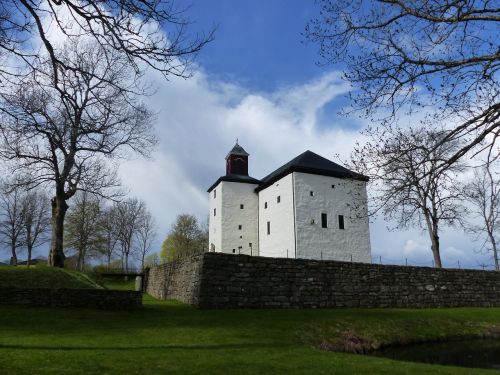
309	162
237	150
235	178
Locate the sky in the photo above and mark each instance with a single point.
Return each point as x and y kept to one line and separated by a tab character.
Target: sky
258	82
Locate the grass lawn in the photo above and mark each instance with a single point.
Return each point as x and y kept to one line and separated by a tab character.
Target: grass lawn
168	337
44	277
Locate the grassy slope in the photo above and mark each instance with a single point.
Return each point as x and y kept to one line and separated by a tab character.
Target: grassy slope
167	337
43	277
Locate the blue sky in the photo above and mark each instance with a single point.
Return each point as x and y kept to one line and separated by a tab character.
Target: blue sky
257	43
258	82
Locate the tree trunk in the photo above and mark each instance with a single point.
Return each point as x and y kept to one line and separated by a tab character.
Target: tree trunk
30	250
56	255
13	259
433	229
495	251
435	250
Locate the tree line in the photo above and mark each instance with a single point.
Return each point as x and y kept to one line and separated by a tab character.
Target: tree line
95	229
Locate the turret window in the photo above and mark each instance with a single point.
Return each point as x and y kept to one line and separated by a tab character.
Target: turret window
341	222
278	199
324	220
311	193
268	227
242	206
215	211
240	227
215	193
265	204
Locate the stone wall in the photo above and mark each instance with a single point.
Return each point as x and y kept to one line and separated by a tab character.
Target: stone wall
215	280
177	280
72	298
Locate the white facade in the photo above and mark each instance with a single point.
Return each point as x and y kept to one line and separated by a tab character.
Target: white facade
299	211
333	198
233	227
280	241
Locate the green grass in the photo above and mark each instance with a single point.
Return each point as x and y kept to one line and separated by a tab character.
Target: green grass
44	277
169	337
118	283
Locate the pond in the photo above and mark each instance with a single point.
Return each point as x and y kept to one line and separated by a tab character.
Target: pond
467	353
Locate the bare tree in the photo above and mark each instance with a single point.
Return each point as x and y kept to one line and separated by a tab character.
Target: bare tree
111	232
145	236
483	194
12	218
36	220
145	32
84	231
405	183
130	214
62	132
404	56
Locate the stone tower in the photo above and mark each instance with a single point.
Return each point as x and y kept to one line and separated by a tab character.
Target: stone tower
233	220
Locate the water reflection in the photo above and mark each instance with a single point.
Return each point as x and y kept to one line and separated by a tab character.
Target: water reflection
466	353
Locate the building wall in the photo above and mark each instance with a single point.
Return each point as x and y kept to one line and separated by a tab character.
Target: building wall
72	298
234	240
177	280
259	282
347	198
214	221
281	240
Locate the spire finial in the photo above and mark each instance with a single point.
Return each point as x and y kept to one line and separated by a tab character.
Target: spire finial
236	140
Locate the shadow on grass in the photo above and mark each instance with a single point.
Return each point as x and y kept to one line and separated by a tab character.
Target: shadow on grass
149	347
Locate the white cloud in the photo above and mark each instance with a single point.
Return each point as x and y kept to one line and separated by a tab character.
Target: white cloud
198	123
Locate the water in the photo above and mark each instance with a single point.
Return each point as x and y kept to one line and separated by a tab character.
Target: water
466	353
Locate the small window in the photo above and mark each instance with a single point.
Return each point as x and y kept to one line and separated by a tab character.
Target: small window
341	221
311	193
240	227
241	236
242	206
333	186
324	221
265	204
215	194
250	244
268	227
234	251
215	211
278	199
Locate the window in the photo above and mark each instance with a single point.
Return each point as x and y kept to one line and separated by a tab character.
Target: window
333	186
250	244
239	249
234	251
278	199
242	206
265	204
215	211
324	221
241	236
341	221
268	227
240	227
311	193
215	194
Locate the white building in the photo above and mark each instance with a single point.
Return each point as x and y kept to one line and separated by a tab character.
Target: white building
309	208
